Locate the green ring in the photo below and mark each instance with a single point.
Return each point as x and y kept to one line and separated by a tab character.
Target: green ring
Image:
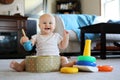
86	58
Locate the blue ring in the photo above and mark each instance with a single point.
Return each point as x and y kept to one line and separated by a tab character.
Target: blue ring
86	63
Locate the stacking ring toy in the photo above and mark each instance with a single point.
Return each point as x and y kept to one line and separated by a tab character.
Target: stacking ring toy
69	70
86	63
86	58
105	68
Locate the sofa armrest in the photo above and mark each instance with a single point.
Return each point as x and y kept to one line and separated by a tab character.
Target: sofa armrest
60	28
73	35
59	25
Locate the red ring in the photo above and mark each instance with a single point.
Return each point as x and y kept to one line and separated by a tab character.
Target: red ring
105	68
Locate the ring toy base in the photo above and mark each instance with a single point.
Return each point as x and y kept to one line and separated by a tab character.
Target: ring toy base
86	68
69	70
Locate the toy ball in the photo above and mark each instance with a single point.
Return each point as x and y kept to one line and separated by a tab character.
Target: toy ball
105	68
28	46
69	70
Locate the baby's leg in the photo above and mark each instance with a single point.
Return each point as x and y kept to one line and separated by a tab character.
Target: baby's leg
66	63
18	66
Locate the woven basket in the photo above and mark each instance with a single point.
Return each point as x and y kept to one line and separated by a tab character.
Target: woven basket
42	63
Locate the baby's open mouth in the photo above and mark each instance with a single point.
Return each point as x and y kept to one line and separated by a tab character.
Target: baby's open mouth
47	28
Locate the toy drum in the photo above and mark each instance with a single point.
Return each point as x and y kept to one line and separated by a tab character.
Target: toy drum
42	63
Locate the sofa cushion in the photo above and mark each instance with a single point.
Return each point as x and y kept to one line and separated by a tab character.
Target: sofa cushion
70	21
73	35
76	21
59	25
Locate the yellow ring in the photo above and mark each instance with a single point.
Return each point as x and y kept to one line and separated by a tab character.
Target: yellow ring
69	70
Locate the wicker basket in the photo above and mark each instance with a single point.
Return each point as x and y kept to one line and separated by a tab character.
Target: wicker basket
42	63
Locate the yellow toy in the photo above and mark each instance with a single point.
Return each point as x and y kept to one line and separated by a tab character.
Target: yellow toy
87	48
87	53
23	32
69	70
86	62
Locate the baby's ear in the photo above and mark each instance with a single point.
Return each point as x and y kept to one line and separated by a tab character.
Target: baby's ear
38	24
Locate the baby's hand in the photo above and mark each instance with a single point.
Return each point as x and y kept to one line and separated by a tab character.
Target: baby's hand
24	39
65	41
66	34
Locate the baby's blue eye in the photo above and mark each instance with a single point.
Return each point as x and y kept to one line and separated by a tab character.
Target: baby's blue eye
44	23
50	22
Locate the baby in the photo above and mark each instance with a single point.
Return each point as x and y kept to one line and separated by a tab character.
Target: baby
47	42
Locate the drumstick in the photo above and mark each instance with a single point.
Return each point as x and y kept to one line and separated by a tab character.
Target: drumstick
23	32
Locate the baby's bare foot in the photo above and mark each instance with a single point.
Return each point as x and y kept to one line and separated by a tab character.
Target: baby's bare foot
16	66
70	64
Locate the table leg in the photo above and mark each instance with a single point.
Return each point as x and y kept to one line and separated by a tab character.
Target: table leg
103	46
82	42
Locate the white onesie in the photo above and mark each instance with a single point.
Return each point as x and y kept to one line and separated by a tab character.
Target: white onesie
47	45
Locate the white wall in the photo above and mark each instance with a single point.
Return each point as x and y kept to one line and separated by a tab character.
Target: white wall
91	7
88	6
4	8
51	6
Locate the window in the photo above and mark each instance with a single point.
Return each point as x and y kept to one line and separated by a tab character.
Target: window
110	8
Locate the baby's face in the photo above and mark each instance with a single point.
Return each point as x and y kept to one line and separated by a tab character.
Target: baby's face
47	24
